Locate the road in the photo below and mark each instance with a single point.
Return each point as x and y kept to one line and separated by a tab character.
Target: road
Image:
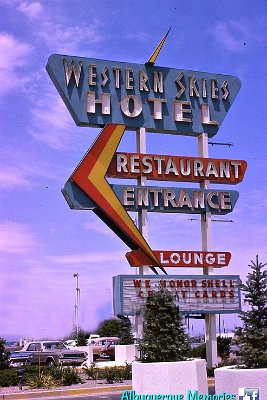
106	396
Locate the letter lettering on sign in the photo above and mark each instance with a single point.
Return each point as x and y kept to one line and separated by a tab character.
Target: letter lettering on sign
136	106
76	71
92	101
121	163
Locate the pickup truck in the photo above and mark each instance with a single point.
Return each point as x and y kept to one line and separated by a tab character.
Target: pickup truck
47	353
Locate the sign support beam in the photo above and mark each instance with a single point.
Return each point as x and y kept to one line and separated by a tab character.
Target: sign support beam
142	223
142	214
210	319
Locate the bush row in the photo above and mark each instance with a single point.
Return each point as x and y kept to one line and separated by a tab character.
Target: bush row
46	377
110	374
43	377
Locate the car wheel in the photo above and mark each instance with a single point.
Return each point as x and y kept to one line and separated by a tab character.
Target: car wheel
50	362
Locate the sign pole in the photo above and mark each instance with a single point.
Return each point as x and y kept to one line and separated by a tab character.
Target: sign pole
142	214
142	223
210	319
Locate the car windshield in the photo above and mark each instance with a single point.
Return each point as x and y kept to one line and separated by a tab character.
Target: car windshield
53	345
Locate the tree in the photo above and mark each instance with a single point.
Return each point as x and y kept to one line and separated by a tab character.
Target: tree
252	336
81	338
164	338
125	335
109	327
4	355
224	347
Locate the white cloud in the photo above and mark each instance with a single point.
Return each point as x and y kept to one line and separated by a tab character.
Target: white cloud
87	258
233	41
19	166
99	227
16	238
67	39
11	177
235	35
52	123
14	54
60	36
31	10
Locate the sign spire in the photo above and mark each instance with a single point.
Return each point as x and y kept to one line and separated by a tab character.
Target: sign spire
155	54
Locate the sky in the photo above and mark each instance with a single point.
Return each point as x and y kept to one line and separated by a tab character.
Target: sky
42	242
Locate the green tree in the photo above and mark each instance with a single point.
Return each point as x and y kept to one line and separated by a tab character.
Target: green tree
224	346
164	337
252	336
125	335
4	355
81	338
199	351
109	327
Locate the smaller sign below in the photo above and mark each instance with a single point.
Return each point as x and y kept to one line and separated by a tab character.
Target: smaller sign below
176	168
193	294
181	258
176	200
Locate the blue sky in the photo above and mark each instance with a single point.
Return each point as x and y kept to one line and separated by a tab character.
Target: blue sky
42	241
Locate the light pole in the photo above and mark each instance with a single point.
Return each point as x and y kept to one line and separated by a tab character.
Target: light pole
77	302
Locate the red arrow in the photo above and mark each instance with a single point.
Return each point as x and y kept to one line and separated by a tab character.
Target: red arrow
90	177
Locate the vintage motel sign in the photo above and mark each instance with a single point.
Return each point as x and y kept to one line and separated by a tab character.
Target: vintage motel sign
161	167
160	99
159	199
176	200
200	294
182	258
89	176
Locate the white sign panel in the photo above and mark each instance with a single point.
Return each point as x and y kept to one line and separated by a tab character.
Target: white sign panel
192	294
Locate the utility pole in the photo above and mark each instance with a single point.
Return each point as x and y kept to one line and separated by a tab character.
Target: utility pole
77	303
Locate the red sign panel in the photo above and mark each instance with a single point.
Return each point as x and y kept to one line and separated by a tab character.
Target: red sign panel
181	259
176	168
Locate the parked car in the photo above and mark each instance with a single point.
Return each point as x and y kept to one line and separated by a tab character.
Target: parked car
92	337
47	353
70	343
104	347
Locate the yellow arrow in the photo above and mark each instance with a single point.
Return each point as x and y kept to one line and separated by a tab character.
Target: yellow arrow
90	177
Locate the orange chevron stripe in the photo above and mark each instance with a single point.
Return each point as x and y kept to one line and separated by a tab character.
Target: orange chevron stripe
90	177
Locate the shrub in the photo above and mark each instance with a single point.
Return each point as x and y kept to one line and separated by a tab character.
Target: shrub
210	372
199	351
70	376
8	377
110	374
91	372
224	346
45	377
41	380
